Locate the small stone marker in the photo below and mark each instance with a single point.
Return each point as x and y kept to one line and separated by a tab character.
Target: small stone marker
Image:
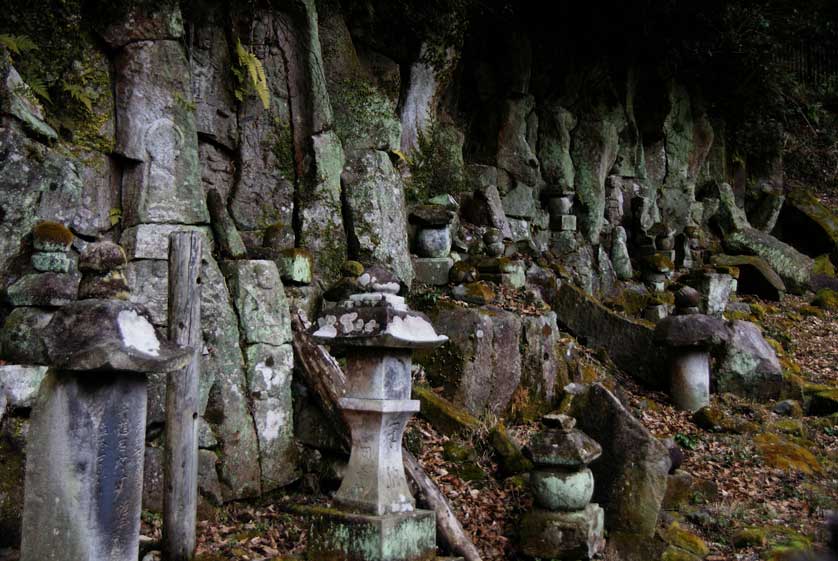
564	524
689	338
84	460
377	520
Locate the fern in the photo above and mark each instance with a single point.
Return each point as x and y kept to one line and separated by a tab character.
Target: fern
18	43
79	94
252	72
38	87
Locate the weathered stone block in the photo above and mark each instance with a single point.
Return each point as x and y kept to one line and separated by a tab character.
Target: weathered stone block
21	337
296	265
148	281
259	298
44	289
157	130
19	384
342	536
269	387
480	366
563	535
631	475
151	241
432	270
84	468
377	209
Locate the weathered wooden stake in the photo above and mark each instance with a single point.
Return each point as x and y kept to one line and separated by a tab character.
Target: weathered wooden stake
180	471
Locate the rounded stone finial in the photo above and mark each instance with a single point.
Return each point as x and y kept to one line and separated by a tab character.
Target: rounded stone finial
102	256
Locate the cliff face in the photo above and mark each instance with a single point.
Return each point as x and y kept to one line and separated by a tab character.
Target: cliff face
319	125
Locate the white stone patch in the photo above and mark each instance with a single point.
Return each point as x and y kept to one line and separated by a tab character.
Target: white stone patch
273	422
364	279
327	326
413	328
137	332
347	322
267	374
371	326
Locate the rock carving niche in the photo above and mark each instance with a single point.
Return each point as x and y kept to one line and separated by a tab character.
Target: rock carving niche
163	142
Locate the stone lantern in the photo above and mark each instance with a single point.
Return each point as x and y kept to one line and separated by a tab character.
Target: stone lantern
564	524
376	519
689	339
84	461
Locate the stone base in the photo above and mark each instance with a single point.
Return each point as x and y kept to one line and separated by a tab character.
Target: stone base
432	270
563	535
345	536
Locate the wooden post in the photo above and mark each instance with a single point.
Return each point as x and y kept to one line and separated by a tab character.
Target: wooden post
180	466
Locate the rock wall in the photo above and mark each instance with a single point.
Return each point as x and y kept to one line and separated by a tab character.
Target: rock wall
317	128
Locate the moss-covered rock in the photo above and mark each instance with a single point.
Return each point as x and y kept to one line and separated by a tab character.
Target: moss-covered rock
511	459
824	266
783	454
713	418
443	415
749	537
673	553
51	236
827	299
677	536
824	402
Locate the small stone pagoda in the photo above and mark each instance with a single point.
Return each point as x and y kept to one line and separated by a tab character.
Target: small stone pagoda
564	523
376	518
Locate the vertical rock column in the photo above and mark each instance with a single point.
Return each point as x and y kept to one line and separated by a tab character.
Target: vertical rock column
377	520
84	464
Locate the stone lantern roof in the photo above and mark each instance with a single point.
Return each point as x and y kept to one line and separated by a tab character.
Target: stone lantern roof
562	444
98	335
375	316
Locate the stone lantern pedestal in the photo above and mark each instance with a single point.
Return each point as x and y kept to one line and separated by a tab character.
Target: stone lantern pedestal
375	518
84	460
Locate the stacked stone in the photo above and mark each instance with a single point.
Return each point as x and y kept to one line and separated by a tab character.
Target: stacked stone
564	524
102	265
563	239
377	517
55	281
432	243
502	271
687	301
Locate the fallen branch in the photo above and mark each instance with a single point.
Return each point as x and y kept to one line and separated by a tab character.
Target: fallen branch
324	377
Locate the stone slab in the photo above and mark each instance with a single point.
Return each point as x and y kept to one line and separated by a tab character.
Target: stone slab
84	469
432	270
151	241
563	535
259	297
342	536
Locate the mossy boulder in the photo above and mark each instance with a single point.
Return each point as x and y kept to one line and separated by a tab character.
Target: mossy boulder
824	266
827	299
510	456
784	454
677	536
445	416
714	419
749	537
51	236
673	553
824	402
